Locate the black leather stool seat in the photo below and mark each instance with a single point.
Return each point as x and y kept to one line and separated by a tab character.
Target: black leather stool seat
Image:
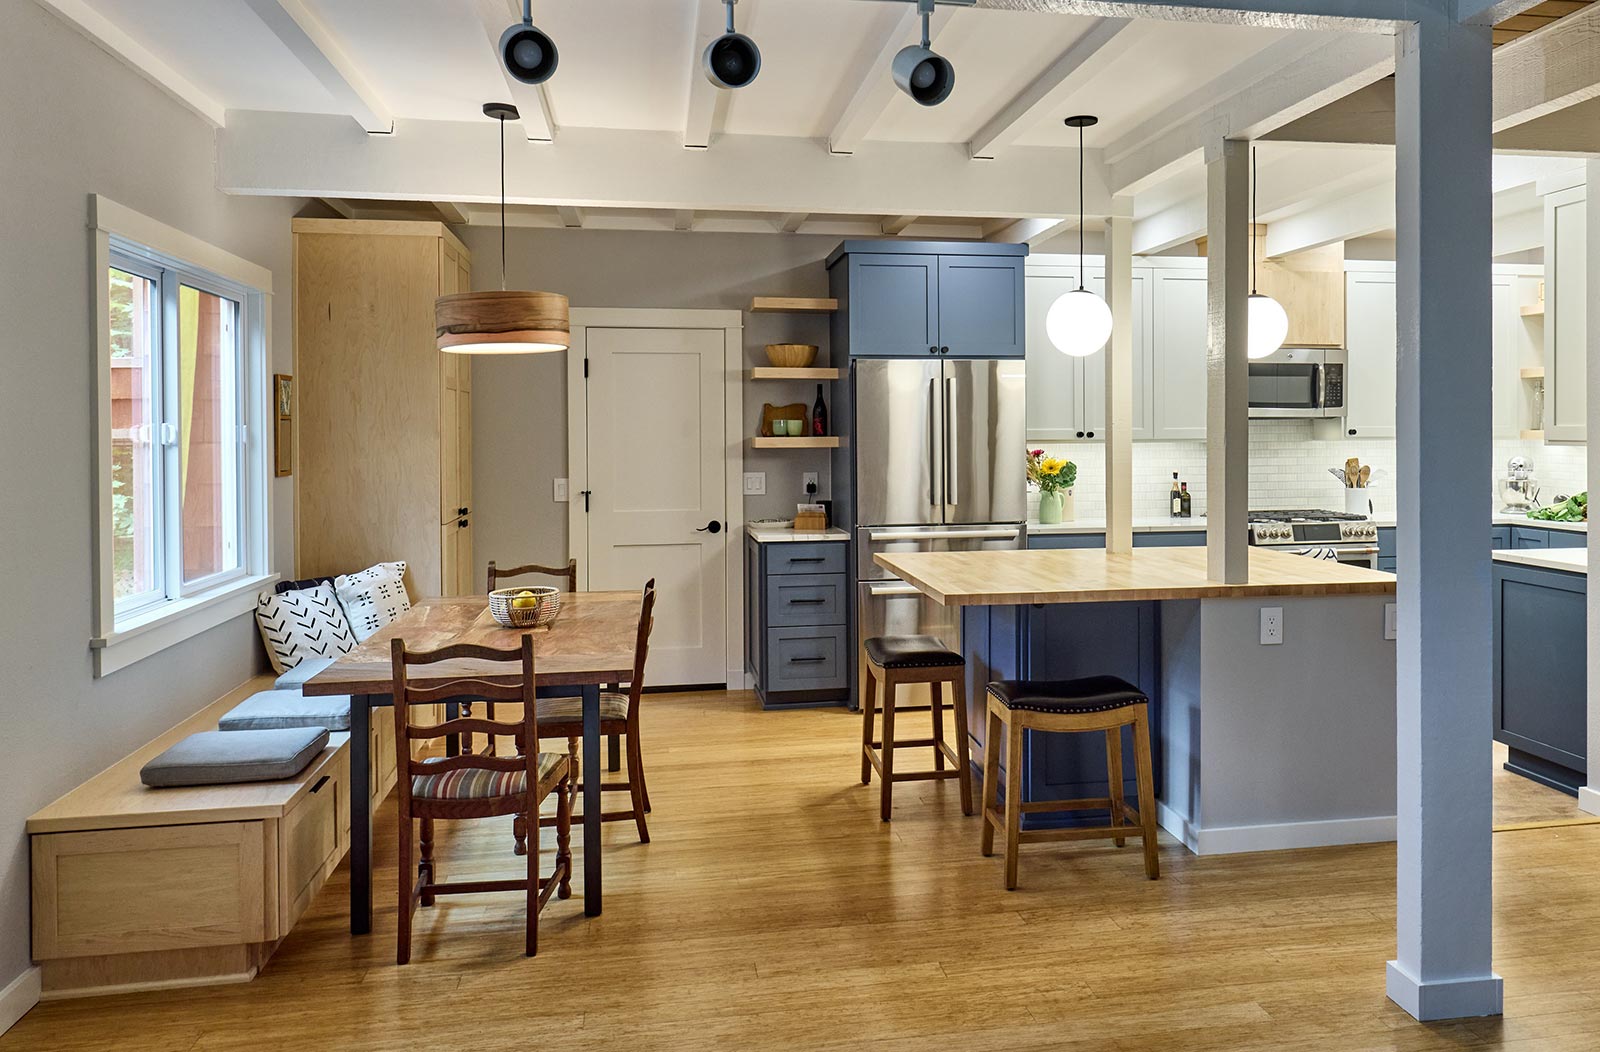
911	652
1090	694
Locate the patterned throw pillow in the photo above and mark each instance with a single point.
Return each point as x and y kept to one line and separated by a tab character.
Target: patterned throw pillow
373	597
303	624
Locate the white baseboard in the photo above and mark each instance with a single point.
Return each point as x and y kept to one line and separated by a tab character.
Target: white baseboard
19	996
1445	998
1278	836
1589	800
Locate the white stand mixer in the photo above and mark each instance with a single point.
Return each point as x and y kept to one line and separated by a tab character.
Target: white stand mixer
1519	490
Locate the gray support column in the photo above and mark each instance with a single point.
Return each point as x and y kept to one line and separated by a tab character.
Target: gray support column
1227	370
1589	795
1119	378
1443	968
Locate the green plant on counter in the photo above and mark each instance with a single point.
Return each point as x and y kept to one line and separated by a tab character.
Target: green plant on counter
1051	474
1574	509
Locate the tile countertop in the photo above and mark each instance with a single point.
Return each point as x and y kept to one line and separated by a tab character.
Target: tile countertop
1567	560
767	533
1141	524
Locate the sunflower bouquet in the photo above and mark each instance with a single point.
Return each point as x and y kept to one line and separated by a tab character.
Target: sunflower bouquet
1051	474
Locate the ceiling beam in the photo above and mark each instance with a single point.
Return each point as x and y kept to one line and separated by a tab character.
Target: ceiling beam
1290	80
319	52
683	219
1105	41
572	218
311	155
702	116
792	221
1490	12
451	212
873	86
1359	214
896	225
1350	16
1030	231
531	100
114	41
344	209
1547	70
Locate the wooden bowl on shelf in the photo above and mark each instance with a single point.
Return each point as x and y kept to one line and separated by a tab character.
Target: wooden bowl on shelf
791	355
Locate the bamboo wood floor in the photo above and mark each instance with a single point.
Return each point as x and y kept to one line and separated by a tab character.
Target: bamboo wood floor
774	912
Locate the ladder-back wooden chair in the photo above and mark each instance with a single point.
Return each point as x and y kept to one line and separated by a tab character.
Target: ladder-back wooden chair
474	785
619	714
496	578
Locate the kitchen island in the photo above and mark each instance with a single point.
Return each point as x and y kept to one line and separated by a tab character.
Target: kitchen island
1257	747
1540	664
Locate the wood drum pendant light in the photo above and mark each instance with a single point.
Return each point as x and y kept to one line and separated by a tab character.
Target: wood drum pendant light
501	322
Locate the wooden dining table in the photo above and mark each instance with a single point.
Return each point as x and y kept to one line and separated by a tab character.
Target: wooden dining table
590	644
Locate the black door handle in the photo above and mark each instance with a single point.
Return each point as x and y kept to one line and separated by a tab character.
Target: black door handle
711	527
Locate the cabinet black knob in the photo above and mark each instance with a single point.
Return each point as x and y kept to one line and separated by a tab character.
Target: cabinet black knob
933	350
944	350
1089	434
1080	434
1352	431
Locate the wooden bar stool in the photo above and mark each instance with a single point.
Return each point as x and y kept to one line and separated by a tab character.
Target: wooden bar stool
1095	703
897	660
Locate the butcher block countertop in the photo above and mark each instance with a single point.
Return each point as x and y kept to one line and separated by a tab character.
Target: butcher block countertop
1090	575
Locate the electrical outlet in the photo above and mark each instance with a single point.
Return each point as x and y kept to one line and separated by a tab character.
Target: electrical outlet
559	491
1391	621
809	478
1271	625
755	483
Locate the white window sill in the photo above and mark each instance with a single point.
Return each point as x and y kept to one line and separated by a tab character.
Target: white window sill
170	624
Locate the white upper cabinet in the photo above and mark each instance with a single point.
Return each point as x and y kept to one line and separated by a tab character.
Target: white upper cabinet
1565	326
1369	375
1066	395
1179	375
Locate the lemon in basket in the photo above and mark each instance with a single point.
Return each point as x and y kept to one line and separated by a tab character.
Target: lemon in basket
524	600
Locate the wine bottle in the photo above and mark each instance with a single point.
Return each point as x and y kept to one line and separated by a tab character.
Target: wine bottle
1188	509
819	415
1175	498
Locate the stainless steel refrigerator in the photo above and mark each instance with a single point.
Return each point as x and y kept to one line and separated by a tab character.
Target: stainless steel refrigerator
938	455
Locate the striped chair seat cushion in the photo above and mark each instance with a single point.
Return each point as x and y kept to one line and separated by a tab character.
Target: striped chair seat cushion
478	784
570	710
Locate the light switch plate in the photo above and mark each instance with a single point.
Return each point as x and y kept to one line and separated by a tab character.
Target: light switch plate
755	483
559	491
1271	625
1391	621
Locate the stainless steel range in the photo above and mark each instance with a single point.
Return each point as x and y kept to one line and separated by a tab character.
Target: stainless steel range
1317	532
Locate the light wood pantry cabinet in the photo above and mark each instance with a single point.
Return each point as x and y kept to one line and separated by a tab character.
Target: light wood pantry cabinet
1565	326
384	458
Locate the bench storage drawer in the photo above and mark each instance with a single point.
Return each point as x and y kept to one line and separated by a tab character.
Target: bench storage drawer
311	839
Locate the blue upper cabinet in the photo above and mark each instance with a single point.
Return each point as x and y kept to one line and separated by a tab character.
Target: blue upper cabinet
919	298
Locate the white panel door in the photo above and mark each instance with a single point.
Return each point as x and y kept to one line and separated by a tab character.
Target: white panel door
1055	380
1370	361
655	469
1179	358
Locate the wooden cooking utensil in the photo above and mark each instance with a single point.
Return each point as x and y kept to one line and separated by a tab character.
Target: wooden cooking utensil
1365	474
1352	468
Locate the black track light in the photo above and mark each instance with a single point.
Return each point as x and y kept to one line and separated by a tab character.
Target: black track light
528	53
732	60
921	73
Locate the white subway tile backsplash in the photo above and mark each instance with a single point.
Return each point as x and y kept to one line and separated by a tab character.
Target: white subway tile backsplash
1288	469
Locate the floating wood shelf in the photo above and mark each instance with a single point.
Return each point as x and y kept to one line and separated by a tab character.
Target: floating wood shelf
1533	310
801	442
1535	436
773	372
793	305
1533	372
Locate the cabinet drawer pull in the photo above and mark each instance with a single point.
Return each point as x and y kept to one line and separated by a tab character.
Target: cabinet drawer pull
807	559
320	783
806	660
807	602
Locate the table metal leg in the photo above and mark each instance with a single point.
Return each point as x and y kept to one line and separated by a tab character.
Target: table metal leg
361	813
591	801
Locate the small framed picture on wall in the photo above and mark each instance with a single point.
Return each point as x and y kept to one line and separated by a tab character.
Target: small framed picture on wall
283	425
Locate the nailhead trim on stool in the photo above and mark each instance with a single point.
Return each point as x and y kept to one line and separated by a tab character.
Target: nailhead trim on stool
1089	694
911	652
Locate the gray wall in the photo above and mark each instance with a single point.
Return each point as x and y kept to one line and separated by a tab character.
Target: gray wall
75	121
514	518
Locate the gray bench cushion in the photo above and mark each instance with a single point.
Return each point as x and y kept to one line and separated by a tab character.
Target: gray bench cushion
301	674
222	757
276	709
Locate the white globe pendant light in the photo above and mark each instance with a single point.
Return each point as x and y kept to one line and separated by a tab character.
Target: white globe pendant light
1079	322
1266	322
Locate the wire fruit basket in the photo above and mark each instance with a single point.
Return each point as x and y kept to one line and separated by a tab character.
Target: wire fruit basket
532	607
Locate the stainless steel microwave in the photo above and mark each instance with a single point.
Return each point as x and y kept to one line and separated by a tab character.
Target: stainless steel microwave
1298	382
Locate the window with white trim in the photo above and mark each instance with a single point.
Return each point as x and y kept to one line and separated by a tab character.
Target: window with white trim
179	502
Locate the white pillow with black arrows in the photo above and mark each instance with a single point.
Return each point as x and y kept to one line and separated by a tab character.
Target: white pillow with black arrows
303	624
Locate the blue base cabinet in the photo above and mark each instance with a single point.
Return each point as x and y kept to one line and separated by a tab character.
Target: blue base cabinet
1147	539
797	622
1540	674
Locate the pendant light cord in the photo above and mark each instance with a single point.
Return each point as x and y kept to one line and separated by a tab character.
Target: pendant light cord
502	204
1080	208
1253	191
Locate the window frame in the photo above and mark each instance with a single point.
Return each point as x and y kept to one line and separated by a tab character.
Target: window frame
178	610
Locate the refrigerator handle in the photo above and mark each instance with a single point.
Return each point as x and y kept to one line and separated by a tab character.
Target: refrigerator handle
933	460
952	481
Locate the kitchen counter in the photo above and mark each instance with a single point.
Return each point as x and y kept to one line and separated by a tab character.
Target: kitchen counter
1140	525
763	533
1090	575
1511	518
1567	560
